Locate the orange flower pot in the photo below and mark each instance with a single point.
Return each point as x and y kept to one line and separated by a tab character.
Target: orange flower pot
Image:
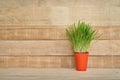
81	60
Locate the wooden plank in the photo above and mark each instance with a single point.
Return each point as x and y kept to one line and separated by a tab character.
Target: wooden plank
101	47
32	33
27	33
27	47
104	32
18	4
114	12
56	47
72	3
34	15
116	62
95	14
115	47
58	74
115	33
49	12
25	15
57	61
52	33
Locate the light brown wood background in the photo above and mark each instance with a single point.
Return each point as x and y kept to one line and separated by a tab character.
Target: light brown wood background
33	32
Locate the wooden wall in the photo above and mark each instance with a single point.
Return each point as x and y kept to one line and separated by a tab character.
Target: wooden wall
33	32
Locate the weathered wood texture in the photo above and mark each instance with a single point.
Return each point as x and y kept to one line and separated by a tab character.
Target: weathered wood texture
36	28
57	61
58	74
59	12
52	33
59	47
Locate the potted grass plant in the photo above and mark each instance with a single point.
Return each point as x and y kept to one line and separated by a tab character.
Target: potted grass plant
81	35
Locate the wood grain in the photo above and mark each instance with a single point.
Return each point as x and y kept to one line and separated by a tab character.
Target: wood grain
57	61
47	12
52	33
56	47
115	47
58	74
33	32
115	33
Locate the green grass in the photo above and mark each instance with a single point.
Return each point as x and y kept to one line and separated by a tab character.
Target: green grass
81	35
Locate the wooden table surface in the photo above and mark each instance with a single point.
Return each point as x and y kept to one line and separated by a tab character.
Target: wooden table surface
58	74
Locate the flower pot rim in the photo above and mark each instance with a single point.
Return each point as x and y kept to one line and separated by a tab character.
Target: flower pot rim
81	52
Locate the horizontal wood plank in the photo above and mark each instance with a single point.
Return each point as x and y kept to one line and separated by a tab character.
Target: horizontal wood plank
49	12
52	33
57	61
56	47
58	74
